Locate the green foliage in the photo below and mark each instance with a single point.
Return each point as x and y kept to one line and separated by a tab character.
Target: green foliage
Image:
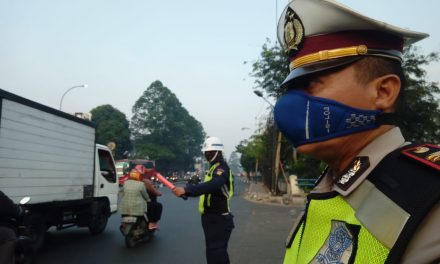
251	150
234	163
112	125
271	69
419	109
164	130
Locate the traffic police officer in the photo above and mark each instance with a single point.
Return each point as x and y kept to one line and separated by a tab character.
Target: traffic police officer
378	201
215	193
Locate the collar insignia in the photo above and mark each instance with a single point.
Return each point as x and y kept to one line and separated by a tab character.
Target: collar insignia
293	32
349	176
427	154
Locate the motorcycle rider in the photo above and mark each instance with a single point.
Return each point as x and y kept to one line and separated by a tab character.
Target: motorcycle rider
134	197
8	212
154	207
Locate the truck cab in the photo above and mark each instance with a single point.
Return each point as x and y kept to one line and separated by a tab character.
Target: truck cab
106	184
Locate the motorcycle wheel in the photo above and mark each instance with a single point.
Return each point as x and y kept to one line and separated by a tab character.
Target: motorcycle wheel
130	241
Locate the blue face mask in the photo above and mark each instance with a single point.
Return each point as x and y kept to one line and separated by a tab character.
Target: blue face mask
305	119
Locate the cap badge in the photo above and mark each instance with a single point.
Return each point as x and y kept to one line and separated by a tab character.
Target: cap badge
293	32
358	166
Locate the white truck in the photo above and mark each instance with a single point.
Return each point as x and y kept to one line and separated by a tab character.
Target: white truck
51	157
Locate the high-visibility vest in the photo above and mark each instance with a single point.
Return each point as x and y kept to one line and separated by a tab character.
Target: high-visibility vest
329	232
208	177
374	223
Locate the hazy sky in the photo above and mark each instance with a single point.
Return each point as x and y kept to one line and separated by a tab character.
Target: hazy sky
195	48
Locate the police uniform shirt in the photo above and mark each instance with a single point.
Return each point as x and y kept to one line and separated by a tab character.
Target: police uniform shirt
424	247
219	187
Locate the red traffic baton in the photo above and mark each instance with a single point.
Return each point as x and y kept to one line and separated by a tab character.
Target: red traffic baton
168	184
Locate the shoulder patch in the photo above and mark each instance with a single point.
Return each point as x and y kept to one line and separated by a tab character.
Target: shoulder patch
427	154
219	171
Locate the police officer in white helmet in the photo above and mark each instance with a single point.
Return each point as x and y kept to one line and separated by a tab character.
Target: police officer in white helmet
215	193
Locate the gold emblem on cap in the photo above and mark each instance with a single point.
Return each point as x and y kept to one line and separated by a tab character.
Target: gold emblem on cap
293	31
434	157
421	150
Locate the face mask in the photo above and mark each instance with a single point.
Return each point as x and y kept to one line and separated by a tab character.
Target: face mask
305	119
211	155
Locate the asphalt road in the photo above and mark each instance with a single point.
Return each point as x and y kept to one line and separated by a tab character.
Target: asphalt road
258	237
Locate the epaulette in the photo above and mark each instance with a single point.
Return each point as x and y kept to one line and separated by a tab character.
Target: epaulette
427	154
219	171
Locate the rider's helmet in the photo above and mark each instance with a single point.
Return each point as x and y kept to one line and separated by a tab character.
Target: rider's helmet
136	173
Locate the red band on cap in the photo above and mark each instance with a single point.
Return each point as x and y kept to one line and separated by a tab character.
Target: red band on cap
372	39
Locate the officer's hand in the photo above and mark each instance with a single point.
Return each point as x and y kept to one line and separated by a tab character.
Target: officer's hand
179	191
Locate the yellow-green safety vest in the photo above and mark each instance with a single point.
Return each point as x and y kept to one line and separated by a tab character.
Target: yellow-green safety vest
330	233
208	177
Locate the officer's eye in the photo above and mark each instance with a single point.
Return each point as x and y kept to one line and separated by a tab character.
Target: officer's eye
306	84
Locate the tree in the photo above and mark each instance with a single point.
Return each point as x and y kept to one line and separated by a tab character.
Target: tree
112	125
164	130
271	69
251	150
234	163
419	109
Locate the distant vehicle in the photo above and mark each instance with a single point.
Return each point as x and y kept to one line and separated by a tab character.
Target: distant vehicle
123	168
173	177
195	179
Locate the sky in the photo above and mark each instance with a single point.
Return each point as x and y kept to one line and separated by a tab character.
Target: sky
196	48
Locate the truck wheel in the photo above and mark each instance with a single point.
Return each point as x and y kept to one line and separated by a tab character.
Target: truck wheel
99	220
36	225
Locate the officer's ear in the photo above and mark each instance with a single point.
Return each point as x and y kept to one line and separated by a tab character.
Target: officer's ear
387	90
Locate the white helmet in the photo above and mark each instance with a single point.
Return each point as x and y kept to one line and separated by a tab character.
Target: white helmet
212	144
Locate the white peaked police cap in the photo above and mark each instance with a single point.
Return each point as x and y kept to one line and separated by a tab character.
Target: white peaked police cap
322	34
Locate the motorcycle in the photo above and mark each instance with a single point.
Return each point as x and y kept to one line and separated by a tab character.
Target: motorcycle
135	230
24	251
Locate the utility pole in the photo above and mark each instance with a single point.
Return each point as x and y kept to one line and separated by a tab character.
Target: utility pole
277	161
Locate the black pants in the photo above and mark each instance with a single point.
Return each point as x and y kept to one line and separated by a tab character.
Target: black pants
217	230
7	245
154	211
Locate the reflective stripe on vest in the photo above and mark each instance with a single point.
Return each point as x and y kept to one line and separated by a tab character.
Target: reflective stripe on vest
331	233
208	177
